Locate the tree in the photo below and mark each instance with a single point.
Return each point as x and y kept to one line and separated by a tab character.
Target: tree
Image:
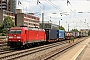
7	23
61	28
74	30
89	32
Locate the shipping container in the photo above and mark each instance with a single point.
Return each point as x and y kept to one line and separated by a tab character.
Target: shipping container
61	34
51	34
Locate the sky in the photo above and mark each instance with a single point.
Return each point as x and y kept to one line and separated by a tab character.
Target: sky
76	13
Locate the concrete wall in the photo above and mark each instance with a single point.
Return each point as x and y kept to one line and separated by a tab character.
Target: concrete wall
20	19
18	10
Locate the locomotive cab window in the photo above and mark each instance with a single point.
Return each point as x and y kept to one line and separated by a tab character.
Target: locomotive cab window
15	31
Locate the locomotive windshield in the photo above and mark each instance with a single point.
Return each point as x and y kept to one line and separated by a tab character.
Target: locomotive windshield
15	31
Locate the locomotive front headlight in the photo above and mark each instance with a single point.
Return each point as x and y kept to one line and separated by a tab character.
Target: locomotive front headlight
18	40
18	37
10	36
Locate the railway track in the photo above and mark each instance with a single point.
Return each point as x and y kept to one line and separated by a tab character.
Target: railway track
50	54
58	52
33	52
7	50
18	54
4	48
3	45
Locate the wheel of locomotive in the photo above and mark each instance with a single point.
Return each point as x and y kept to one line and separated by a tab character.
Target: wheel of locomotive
26	46
30	45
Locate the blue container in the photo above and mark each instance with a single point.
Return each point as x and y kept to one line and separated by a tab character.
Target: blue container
60	34
51	34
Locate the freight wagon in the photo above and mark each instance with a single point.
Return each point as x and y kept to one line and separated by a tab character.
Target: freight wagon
68	35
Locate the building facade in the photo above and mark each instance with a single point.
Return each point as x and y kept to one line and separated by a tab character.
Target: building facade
12	5
28	20
4	13
9	5
3	4
48	25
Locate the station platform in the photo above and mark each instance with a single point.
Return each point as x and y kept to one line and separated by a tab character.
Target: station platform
79	52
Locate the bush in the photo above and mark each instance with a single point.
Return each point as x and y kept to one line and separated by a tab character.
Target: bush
0	34
3	34
72	39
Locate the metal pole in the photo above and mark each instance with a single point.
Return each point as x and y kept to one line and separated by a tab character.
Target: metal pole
42	20
68	27
59	22
7	30
1	4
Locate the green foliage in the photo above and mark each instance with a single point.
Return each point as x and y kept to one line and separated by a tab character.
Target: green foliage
7	23
72	39
89	33
4	30
0	34
61	28
74	30
3	34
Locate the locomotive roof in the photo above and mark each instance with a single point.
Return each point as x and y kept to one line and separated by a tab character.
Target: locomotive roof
18	27
31	28
36	29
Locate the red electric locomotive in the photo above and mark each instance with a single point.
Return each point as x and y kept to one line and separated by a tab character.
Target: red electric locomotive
22	36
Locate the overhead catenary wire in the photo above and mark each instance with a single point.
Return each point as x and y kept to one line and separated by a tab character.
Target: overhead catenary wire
55	6
38	2
20	4
72	10
52	4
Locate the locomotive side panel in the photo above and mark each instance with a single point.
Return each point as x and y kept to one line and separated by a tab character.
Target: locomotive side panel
35	36
29	34
42	35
